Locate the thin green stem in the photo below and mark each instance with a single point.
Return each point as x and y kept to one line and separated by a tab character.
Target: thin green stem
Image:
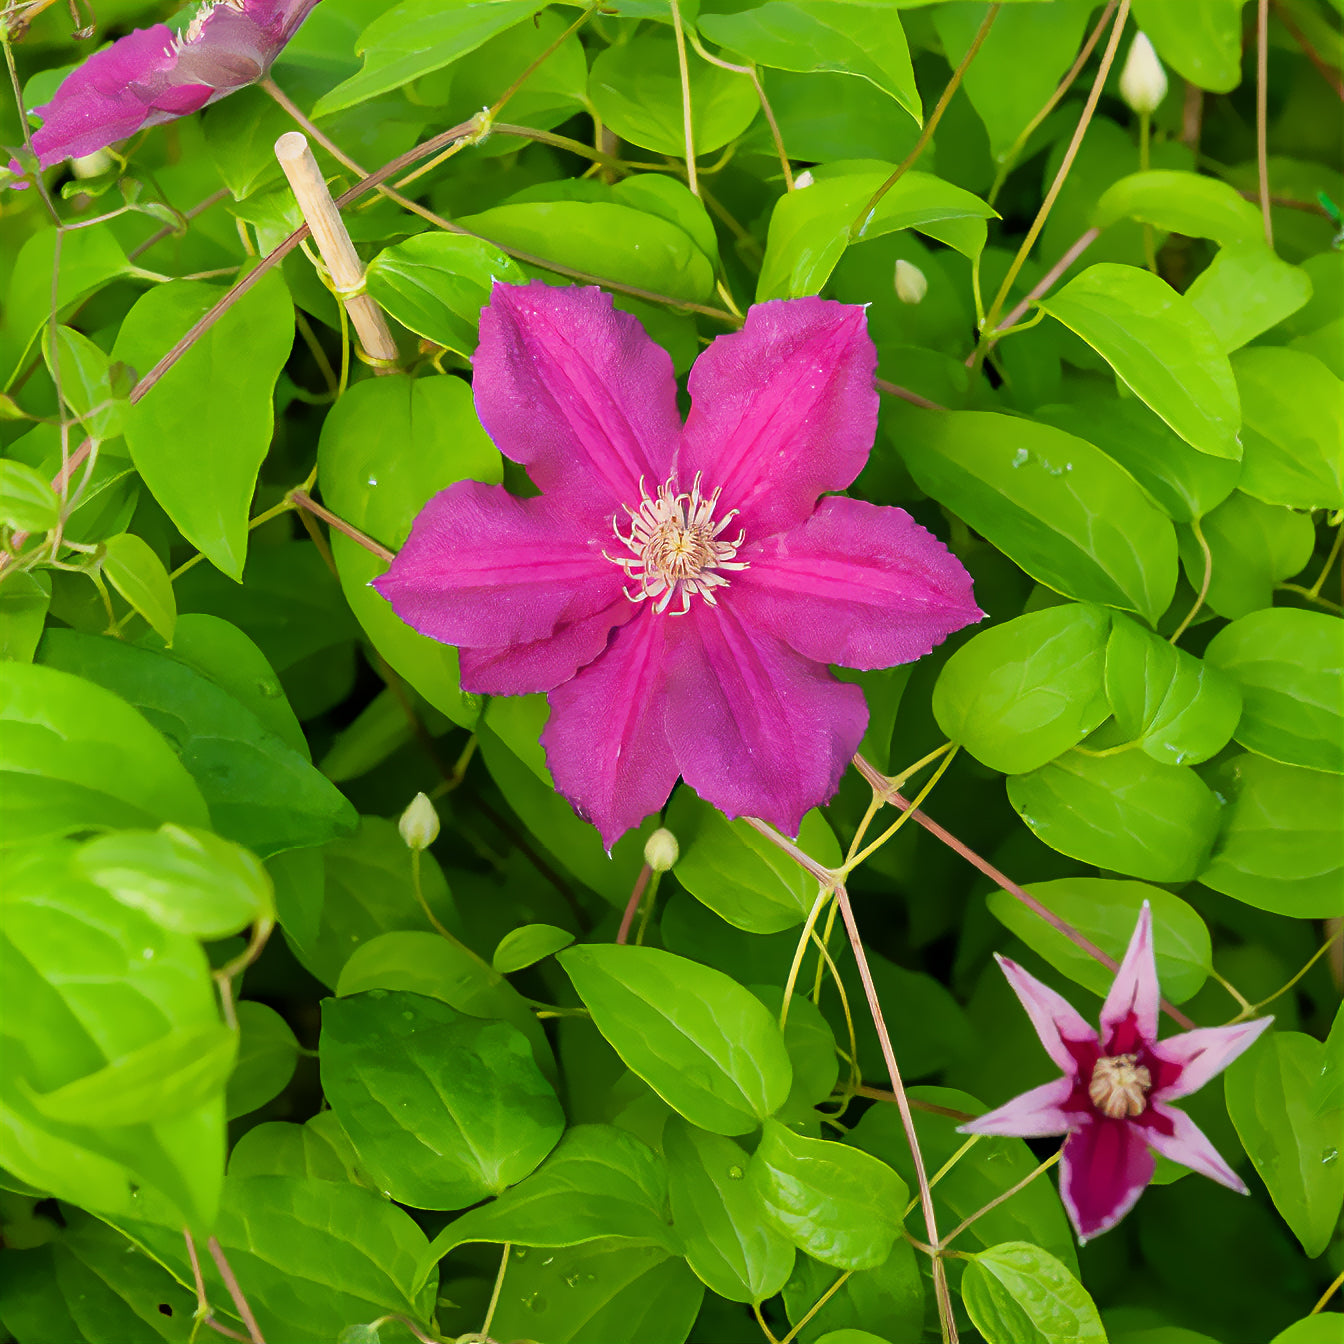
900	821
688	131
796	965
1315	589
494	1296
817	1306
1278	993
1203	587
418	888
1000	1199
1327	1295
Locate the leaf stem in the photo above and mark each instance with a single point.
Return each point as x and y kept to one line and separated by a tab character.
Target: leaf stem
1204	585
494	1296
998	1199
688	131
235	1291
817	1306
305	501
632	905
1262	113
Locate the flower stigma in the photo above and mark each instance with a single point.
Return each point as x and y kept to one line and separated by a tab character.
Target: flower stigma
1120	1086
676	549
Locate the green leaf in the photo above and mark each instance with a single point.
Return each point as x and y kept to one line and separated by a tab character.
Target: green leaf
1124	812
528	945
27	501
1201	39
260	792
1018	694
1160	347
739	874
443	1110
705	1044
1106	910
889	1298
1272	1095
1318	1328
1280	845
1247	290
1054	504
435	284
75	757
1287	663
815	35
1187	203
316	1151
91	386
1294	424
635	90
1179	708
1019	1294
24	600
210	399
725	1237
839	1204
131	566
267	1056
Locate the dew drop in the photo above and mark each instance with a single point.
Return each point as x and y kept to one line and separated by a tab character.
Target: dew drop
735	1173
520	1252
147	953
573	1280
371	480
1020	457
1328	1156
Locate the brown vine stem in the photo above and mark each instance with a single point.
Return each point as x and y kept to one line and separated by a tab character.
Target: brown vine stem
1331	76
632	905
861	221
1262	113
235	1292
203	1312
305	501
905	394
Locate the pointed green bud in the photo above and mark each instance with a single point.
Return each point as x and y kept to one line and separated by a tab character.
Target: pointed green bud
1143	81
911	285
419	824
661	850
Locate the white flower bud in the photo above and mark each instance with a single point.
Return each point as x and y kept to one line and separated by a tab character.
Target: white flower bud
911	285
92	165
1143	81
419	824
661	850
804	179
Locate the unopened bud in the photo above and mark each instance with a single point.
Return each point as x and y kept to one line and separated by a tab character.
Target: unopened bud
804	179
911	286
92	165
419	824
661	850
1143	81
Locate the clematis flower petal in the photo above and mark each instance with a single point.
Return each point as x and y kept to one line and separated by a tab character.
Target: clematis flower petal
855	584
1175	1135
782	411
1056	1021
605	741
1129	1015
483	568
577	392
1034	1115
1104	1168
1188	1061
757	730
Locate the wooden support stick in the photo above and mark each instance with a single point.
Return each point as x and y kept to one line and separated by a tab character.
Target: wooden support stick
338	252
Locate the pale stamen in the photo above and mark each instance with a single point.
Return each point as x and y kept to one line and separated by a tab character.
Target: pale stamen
1119	1086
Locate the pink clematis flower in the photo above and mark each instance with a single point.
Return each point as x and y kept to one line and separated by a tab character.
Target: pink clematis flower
153	75
1112	1100
678	590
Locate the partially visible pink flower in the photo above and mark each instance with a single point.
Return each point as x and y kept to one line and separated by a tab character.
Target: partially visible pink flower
152	75
1112	1100
678	590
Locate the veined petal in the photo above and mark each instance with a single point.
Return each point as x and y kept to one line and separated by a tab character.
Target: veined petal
1104	1168
1056	1021
577	392
757	730
1129	1015
605	742
1187	1062
782	411
856	584
1180	1139
483	568
1034	1115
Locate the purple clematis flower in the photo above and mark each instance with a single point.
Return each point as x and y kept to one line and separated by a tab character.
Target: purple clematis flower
153	75
1112	1100
678	589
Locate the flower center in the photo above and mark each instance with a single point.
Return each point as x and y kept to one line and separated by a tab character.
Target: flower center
1119	1086
675	548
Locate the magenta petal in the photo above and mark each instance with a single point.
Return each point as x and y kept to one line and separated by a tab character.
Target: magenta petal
757	730
1178	1137
605	741
1104	1168
855	584
577	392
1057	1022
1129	1015
484	568
1188	1061
1034	1115
782	411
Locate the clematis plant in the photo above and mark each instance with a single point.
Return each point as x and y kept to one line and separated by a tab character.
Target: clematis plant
678	590
1112	1101
153	75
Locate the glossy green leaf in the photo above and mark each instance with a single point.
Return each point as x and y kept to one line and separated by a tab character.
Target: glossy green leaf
316	1151
1293	1143
528	945
267	1056
1201	39
442	1109
1105	911
1160	347
137	573
1019	1294
1281	847
1244	291
27	501
1054	504
1018	694
724	1234
705	1044
210	399
93	388
839	1204
1188	203
24	600
1288	664
1319	1328
1124	812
